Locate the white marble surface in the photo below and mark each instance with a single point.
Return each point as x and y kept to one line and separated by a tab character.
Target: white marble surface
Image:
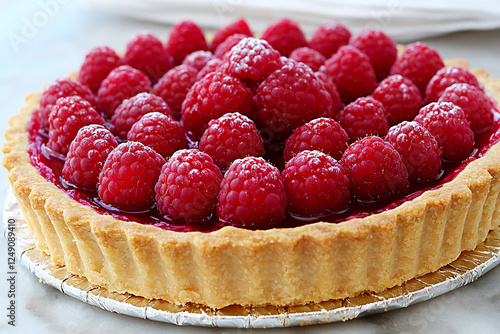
34	55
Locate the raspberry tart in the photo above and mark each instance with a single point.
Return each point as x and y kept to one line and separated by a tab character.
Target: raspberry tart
247	177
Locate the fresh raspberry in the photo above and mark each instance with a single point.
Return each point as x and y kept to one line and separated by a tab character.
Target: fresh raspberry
131	110
418	62
174	86
146	53
228	44
160	132
379	47
446	77
474	103
61	88
238	27
448	124
86	156
329	37
185	37
96	67
198	59
375	169
315	184
68	115
308	56
321	134
285	36
211	97
363	117
210	67
128	177
400	97
122	83
188	186
338	105
418	148
351	72
252	194
230	137
290	97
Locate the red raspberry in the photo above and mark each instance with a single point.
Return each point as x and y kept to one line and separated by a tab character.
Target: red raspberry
212	66
352	73
321	134
122	83
198	59
284	36
160	132
61	88
68	115
338	105
418	148
290	97
380	48
86	156
446	77
96	67
418	62
128	177
375	169
185	37
400	97
146	53
315	184
252	194
174	86
188	186
474	103
363	117
308	56
238	27
228	44
131	110
448	124
212	97
230	137
329	37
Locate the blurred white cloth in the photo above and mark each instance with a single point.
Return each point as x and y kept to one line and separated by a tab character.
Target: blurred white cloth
404	20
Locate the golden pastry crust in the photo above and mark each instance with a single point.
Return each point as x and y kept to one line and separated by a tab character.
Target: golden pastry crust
288	266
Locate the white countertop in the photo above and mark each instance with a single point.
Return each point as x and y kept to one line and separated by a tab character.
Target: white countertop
32	56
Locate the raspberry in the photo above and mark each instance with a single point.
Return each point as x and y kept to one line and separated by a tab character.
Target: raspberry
230	137
86	156
198	59
329	37
363	117
131	110
128	177
252	194
96	67
400	97
338	105
284	36
210	67
238	27
418	62
122	83
160	132
321	134
146	53
375	169
212	97
185	37
448	124
352	72
61	88
380	48
68	115
446	77
308	56
228	44
174	86
474	103
290	97
315	184
418	148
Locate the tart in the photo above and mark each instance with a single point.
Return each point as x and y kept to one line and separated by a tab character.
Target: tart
310	260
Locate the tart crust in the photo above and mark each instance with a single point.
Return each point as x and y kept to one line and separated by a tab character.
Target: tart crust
288	266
